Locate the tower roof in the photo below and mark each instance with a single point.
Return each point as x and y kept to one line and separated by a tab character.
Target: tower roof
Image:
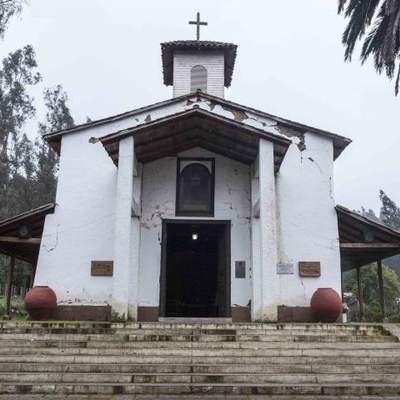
168	49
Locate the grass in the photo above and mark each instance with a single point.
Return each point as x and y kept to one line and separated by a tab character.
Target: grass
18	311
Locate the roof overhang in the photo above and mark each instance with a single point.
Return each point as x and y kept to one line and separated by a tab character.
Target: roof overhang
196	127
242	113
363	241
168	49
24	249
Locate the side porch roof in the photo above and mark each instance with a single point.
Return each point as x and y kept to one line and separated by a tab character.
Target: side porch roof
24	249
363	240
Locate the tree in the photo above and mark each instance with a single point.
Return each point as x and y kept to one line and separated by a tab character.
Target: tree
389	215
377	22
27	170
390	212
17	75
8	8
373	312
58	117
369	214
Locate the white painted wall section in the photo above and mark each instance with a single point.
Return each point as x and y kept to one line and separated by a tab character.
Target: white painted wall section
308	227
82	226
212	61
232	202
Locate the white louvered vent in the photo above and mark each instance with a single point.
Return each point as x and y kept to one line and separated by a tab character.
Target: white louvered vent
198	79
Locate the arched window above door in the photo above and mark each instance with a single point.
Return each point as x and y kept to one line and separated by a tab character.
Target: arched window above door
195	188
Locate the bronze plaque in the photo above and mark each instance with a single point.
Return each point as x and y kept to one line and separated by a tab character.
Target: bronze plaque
310	269
102	268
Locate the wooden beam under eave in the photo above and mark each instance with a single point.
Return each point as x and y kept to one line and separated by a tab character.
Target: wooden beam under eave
15	240
372	246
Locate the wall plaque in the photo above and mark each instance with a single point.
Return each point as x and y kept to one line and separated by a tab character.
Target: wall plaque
102	268
284	269
240	269
310	269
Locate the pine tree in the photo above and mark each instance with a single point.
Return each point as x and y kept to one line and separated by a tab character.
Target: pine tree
369	214
17	75
390	212
58	117
8	8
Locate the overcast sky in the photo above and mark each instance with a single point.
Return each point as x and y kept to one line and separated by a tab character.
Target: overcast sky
106	54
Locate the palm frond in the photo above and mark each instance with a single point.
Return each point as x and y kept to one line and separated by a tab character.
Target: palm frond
397	84
360	14
341	5
378	22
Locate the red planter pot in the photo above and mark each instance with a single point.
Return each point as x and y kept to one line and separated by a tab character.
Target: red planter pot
41	303
326	305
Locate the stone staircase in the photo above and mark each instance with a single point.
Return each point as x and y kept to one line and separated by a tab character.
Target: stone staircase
197	361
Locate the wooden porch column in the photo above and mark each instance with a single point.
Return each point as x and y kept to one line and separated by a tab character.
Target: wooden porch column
381	290
360	295
10	276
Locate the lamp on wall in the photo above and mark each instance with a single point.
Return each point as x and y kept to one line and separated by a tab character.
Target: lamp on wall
195	236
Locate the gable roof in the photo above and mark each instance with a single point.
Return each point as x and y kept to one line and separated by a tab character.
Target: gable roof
339	142
168	49
196	127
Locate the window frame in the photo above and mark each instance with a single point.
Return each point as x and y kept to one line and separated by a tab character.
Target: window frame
211	211
194	90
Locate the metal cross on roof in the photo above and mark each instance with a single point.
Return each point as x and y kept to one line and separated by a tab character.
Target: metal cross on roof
198	23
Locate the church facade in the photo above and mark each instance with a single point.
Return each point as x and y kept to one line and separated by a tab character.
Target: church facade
194	207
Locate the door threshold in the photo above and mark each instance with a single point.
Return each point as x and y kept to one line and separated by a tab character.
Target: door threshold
184	320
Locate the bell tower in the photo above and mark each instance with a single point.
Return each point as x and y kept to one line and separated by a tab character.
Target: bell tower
192	65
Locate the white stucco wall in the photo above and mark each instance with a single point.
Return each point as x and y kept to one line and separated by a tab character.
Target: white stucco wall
212	61
307	221
232	202
82	226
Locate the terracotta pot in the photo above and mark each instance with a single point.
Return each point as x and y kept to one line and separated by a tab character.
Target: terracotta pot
326	305
40	302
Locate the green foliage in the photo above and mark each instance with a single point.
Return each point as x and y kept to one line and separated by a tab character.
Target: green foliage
58	117
18	311
390	213
8	8
28	169
373	312
369	214
377	22
17	75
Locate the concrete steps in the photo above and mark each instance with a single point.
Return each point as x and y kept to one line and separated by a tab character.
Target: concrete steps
188	361
211	389
197	377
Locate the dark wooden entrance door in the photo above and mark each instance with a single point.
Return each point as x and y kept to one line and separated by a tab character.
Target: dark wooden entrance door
195	269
